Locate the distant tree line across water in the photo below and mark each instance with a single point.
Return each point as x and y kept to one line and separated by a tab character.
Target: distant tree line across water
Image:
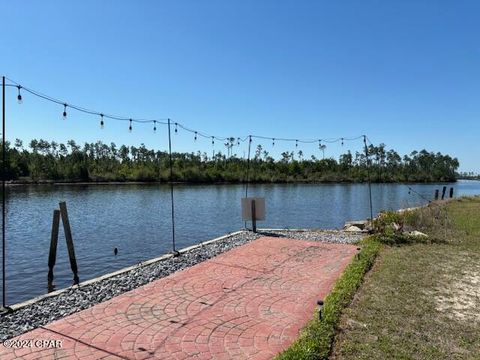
93	162
470	175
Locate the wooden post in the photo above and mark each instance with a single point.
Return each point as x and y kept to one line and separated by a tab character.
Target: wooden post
451	192
69	239
52	256
254	217
444	190
436	194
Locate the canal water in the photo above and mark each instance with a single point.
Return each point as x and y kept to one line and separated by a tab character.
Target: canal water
136	220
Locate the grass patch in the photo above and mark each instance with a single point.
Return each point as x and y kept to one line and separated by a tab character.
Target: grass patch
316	338
420	301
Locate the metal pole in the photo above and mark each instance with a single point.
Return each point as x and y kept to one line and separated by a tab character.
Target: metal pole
368	176
248	165
248	169
4	172
171	187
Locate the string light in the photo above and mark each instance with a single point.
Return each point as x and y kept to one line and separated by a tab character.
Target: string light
102	124
154	126
19	97
22	88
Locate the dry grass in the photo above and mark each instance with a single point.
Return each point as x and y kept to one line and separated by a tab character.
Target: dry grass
421	301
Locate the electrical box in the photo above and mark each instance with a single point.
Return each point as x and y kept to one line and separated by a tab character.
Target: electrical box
247	208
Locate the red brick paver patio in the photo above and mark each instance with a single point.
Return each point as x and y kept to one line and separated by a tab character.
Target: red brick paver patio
248	303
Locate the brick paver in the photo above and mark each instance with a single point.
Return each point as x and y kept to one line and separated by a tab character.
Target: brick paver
248	303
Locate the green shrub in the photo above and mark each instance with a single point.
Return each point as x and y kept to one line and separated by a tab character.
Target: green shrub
390	227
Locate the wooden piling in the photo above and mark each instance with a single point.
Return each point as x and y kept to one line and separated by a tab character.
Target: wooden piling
436	194
451	192
52	256
69	240
444	190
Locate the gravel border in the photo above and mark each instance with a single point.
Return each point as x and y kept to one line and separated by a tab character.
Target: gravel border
82	297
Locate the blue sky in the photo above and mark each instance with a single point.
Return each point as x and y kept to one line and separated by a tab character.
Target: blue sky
406	73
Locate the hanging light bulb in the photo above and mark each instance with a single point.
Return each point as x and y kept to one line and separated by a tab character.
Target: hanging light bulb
296	143
195	138
176	130
102	124
19	97
238	141
319	144
273	142
64	111
342	141
130	127
213	140
154	126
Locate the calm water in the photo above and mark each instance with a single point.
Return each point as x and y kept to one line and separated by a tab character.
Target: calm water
136	220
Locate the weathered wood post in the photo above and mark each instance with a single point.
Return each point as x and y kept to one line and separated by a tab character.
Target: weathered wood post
254	217
69	239
436	194
444	190
451	192
52	256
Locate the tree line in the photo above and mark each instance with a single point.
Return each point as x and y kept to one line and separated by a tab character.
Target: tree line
470	175
42	160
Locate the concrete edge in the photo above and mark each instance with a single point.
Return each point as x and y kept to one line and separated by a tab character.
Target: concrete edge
39	298
302	230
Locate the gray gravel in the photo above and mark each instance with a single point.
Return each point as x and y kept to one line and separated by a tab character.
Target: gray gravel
82	297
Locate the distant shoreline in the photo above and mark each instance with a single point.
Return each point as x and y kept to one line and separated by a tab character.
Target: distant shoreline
297	182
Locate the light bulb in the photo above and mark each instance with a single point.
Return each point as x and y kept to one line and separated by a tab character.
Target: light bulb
130	127
102	124
19	97
64	112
